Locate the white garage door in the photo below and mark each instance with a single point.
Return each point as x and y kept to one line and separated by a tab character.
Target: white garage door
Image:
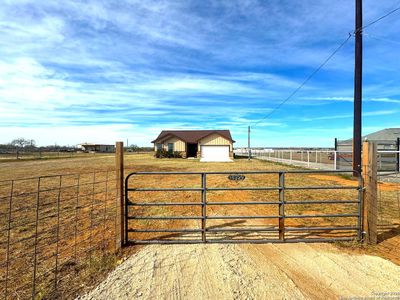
215	153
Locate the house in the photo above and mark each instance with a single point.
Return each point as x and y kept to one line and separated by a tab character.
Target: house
103	148
208	145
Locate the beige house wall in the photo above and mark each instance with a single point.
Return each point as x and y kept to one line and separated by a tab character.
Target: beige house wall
179	145
216	139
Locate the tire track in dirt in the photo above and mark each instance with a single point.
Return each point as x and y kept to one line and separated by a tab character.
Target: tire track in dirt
232	271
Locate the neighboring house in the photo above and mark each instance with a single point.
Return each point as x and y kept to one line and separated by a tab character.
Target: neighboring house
209	145
88	147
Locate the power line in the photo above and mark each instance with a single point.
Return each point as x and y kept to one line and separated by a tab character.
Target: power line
324	63
305	81
379	19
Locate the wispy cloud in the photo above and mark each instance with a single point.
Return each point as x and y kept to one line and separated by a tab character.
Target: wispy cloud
132	68
347	116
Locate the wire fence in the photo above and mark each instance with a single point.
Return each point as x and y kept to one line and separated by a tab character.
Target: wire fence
27	155
388	216
57	233
389	204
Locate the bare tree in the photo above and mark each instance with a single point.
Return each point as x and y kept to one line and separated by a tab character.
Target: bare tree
23	143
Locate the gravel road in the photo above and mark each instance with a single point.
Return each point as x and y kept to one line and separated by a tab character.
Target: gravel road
244	271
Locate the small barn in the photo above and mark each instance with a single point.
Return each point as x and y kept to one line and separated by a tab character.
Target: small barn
102	148
386	139
388	144
208	145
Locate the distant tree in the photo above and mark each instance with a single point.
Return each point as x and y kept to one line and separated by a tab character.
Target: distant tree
22	143
134	148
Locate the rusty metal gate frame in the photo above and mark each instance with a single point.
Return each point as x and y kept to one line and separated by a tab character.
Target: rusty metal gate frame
281	202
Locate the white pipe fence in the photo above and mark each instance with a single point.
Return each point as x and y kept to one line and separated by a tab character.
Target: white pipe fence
388	160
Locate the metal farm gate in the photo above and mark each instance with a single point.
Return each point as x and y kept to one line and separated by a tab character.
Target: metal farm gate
156	201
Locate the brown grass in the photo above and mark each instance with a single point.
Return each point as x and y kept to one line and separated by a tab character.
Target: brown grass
83	258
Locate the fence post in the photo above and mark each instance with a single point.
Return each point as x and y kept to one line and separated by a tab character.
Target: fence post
398	155
370	201
203	206
119	169
281	206
335	160
308	158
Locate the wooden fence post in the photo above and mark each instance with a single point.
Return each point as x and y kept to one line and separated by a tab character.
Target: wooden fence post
370	199
119	169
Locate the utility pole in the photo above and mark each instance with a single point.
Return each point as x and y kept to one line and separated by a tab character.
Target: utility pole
357	89
248	142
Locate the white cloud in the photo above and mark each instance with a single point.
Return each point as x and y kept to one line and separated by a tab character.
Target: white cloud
73	135
345	116
165	64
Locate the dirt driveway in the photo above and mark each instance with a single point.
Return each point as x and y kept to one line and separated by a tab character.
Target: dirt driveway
244	271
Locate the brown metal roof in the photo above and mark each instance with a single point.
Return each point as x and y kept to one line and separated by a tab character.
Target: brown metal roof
192	136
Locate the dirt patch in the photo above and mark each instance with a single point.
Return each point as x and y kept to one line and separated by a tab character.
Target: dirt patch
387	246
384	186
284	271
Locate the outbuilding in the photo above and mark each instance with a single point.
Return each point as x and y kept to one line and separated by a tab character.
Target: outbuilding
208	145
90	147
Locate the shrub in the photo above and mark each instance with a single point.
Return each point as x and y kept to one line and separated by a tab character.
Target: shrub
177	154
162	153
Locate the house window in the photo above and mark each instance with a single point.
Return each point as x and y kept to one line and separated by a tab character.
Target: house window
159	146
170	147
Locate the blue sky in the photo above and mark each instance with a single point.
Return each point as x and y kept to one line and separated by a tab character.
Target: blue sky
100	71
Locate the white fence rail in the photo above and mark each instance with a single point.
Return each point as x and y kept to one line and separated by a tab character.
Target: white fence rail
321	159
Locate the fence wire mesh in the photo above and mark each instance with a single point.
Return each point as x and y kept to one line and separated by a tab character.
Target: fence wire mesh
388	218
56	232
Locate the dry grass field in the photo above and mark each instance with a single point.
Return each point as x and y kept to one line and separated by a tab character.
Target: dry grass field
73	242
44	155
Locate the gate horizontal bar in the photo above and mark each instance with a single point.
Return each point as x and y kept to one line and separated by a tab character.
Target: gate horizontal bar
243	203
233	241
163	203
240	229
145	242
322	202
332	187
245	189
287	240
320	228
165	230
321	216
241	217
239	203
243	172
163	189
163	218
